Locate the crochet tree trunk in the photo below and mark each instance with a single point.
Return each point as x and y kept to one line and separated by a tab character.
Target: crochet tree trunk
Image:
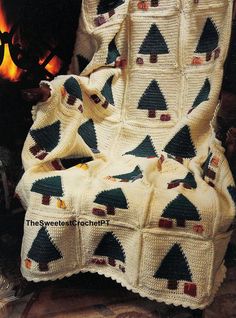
48	187
209	39
152	99
107	90
154	44
113	52
131	176
174	267
112	199
110	247
145	149
43	250
155	3
88	132
181	145
182	210
105	6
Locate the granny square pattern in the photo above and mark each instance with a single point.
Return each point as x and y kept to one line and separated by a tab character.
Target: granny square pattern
124	176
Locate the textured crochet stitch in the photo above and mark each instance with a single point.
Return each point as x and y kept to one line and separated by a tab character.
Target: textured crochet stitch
131	141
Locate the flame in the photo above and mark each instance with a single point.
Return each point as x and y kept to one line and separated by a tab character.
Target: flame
7	69
53	66
3	21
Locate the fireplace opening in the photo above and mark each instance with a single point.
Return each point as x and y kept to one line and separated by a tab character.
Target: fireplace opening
36	43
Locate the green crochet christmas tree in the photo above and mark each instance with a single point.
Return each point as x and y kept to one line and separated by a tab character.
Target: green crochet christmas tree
145	149
107	90
203	95
182	210
181	144
131	176
88	132
46	138
105	6
113	52
154	44
112	199
72	87
82	62
152	99
48	187
43	250
209	38
110	247
174	267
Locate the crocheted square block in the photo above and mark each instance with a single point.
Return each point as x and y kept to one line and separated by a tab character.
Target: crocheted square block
111	86
154	40
145	142
183	208
111	49
175	266
108	250
205	36
117	201
46	250
201	94
92	131
148	98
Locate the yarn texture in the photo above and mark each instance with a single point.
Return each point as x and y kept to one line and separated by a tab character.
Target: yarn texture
124	176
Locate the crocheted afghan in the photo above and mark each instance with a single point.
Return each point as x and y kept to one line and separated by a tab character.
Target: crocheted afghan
123	174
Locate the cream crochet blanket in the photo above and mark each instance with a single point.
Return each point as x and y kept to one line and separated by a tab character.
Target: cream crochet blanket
123	174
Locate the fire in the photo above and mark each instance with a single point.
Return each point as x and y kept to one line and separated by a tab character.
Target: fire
8	69
3	21
53	66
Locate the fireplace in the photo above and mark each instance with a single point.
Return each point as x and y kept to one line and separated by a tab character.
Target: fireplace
36	43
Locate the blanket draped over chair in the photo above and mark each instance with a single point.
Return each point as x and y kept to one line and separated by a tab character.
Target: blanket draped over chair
124	176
